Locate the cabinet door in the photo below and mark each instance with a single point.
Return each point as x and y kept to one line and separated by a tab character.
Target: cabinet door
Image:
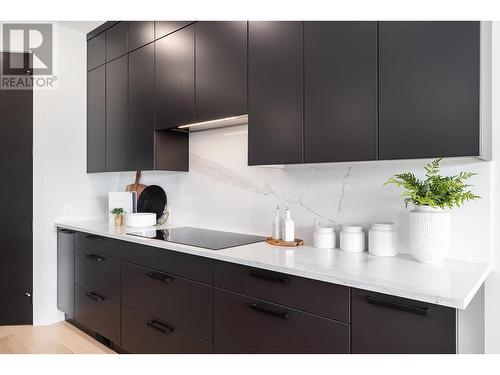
174	79
429	89
66	271
383	324
116	41
247	325
98	313
116	114
144	334
184	303
340	91
141	109
96	120
96	51
140	33
275	92
163	28
221	69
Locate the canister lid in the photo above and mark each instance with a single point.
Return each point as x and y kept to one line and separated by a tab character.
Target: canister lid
383	226
325	229
352	228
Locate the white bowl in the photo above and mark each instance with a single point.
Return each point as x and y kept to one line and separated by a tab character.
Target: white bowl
140	220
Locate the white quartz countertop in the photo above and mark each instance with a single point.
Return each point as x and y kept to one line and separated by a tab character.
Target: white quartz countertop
453	283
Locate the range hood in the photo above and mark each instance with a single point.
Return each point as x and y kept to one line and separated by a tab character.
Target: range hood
214	124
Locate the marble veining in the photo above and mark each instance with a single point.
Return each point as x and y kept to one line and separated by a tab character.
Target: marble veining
222	192
452	284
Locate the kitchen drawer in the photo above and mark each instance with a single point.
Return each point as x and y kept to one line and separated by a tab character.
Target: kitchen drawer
144	334
383	324
185	265
247	325
184	303
103	245
98	272
97	313
329	300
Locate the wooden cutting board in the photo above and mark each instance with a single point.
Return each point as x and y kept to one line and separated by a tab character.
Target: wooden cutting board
136	186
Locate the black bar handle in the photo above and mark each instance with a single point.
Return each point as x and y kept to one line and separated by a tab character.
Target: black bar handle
96	257
160	326
66	231
271	310
270	276
94	238
96	297
424	311
160	276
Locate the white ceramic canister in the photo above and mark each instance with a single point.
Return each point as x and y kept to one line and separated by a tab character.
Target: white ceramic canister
324	238
382	239
352	239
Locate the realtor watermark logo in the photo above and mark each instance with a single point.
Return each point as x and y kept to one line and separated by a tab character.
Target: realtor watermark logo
28	56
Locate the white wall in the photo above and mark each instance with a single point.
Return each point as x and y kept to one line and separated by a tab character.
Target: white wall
60	180
492	290
222	192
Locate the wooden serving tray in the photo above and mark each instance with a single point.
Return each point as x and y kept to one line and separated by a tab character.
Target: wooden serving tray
296	243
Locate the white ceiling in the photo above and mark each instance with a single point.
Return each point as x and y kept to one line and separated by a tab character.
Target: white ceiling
81	26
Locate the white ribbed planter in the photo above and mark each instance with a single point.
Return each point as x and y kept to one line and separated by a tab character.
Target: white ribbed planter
430	234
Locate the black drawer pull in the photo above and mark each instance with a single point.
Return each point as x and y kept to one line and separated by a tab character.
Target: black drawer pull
159	276
95	257
66	231
96	297
94	238
270	276
424	311
271	310
160	326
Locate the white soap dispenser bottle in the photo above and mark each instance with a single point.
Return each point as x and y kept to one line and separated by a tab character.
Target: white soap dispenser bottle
288	227
277	224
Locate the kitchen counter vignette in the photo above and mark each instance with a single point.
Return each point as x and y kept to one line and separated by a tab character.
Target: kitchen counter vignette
299	300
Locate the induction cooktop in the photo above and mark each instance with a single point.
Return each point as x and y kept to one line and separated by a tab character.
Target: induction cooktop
205	238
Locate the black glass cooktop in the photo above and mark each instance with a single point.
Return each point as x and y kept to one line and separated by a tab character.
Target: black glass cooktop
208	239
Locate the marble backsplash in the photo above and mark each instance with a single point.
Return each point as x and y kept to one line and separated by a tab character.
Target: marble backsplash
222	192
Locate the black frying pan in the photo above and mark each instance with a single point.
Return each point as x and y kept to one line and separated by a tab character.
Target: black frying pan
153	200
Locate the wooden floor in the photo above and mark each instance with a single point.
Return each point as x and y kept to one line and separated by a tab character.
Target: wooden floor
59	338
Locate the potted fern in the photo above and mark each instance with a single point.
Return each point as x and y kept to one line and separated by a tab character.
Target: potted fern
430	221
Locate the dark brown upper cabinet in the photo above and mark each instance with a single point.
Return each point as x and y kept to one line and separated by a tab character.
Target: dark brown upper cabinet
221	69
340	91
275	92
96	120
429	89
140	135
96	51
116	114
140	33
116	41
163	28
174	79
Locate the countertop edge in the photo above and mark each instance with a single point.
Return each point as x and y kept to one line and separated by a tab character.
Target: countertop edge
192	250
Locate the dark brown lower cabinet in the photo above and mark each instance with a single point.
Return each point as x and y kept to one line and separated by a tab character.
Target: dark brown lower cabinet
98	272
144	334
247	325
98	313
383	324
183	302
151	300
